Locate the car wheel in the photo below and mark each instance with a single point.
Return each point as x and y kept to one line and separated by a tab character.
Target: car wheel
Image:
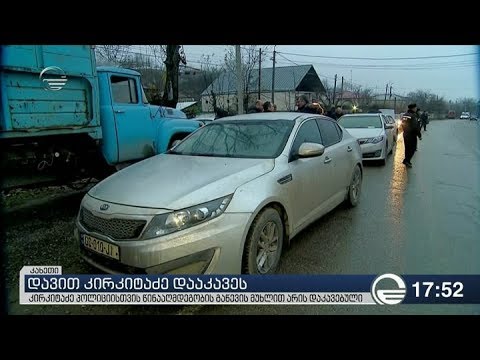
264	243
355	187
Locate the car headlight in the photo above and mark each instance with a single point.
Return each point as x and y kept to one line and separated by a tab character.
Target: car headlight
376	140
164	224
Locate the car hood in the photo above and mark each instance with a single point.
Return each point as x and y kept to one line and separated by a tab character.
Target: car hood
365	133
174	182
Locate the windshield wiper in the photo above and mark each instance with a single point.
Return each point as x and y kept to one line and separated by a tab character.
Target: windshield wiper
212	155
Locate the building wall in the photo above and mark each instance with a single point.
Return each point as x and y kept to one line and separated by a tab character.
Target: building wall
285	100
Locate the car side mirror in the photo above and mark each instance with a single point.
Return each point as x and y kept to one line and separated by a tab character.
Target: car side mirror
310	150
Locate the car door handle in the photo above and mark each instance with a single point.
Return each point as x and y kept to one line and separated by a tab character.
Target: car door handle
327	160
349	148
119	111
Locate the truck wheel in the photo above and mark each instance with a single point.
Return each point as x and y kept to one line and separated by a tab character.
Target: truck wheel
263	246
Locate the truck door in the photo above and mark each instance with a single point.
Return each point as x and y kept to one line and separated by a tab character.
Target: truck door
135	130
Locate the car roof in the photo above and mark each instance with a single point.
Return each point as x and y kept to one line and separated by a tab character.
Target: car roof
277	115
365	114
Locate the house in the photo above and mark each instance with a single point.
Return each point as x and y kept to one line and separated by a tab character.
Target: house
290	82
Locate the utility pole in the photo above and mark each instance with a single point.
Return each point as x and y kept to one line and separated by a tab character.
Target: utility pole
341	91
273	76
386	91
259	72
395	104
334	89
390	92
238	56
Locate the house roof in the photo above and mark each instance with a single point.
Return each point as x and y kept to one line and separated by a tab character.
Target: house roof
184	105
287	78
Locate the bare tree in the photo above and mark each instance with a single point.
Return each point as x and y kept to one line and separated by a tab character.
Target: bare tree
159	53
173	58
358	96
112	54
250	63
466	104
363	96
326	99
210	73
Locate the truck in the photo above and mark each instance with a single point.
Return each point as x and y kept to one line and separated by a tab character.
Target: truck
63	118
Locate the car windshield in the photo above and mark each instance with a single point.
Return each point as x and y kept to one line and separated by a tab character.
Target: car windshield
238	139
360	122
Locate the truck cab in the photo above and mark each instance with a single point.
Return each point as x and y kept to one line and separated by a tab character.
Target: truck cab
97	120
132	128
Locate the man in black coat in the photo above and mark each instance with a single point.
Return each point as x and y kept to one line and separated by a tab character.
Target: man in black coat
304	106
411	131
257	108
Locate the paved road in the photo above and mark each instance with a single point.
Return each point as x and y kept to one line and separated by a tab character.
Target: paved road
423	220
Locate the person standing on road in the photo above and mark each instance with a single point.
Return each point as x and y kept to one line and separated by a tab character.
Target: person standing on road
424	120
338	113
411	131
303	105
257	108
418	119
331	113
267	106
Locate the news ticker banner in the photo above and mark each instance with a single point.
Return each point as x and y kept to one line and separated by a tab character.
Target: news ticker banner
47	285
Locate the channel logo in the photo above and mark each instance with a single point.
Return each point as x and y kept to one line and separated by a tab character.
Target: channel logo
53	78
389	295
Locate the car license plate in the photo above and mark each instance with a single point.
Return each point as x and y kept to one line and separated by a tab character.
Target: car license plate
101	247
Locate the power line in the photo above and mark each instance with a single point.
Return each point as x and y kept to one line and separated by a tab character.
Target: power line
379	59
424	66
293	62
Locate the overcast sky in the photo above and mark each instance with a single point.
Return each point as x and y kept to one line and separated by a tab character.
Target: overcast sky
452	77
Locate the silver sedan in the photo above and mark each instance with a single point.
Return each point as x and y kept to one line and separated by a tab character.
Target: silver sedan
225	200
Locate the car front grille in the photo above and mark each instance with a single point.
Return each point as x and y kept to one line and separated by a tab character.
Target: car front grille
119	229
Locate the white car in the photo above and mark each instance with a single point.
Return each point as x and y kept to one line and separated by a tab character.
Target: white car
375	134
465	115
224	200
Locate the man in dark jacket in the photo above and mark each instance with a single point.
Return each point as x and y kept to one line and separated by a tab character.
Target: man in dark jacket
424	120
267	106
411	131
331	113
303	105
257	108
